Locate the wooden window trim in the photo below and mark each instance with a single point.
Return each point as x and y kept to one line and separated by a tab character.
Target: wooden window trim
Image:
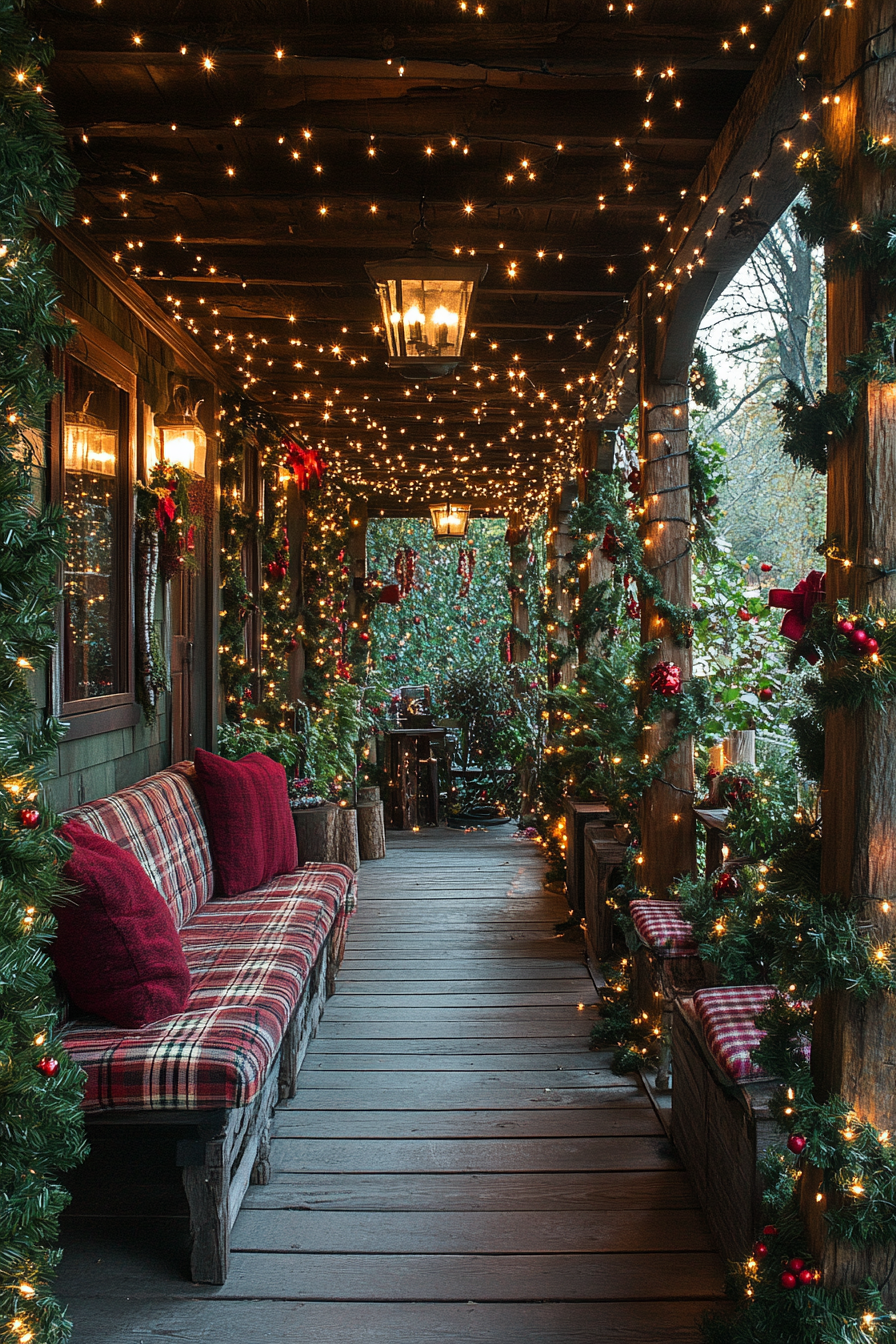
102	714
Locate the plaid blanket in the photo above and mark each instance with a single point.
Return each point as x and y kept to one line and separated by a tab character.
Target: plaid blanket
661	928
250	957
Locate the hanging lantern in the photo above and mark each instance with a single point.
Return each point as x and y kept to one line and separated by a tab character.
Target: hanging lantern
90	445
450	520
425	303
182	437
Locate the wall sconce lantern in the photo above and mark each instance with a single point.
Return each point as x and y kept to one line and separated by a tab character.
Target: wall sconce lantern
450	520
425	303
90	445
183	439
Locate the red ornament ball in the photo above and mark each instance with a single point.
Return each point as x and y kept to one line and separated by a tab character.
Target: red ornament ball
807	1276
871	646
846	627
766	567
788	1280
726	884
29	817
48	1067
796	1143
795	1265
769	1230
416	620
292	646
760	1250
859	637
364	637
743	613
765	693
476	639
665	679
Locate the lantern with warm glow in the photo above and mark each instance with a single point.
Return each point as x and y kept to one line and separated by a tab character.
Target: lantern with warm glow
182	437
450	520
90	444
425	303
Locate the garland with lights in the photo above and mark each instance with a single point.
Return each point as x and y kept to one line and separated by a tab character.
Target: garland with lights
40	1112
810	422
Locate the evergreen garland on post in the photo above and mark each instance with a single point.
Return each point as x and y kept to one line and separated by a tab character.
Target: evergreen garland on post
40	1089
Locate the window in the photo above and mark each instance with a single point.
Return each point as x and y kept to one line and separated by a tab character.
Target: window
95	487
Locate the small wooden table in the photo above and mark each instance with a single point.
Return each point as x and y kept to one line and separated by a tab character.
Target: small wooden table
413	777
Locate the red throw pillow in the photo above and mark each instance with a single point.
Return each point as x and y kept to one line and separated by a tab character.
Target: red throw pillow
250	827
116	949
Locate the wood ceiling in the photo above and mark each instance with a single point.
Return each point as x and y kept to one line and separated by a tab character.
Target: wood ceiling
245	190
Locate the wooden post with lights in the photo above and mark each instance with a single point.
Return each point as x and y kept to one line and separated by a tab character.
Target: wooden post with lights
594	456
853	1043
518	547
668	826
559	547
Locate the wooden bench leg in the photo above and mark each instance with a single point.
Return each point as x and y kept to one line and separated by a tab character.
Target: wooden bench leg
206	1176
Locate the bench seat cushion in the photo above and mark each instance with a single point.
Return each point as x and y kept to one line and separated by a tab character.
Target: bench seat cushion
661	928
250	958
726	1014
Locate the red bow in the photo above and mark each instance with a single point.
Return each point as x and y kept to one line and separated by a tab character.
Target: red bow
165	511
306	464
799	606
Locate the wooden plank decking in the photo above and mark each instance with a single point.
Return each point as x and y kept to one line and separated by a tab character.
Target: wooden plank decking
456	1165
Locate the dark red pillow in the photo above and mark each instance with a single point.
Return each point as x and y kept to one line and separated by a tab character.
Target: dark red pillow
250	826
116	949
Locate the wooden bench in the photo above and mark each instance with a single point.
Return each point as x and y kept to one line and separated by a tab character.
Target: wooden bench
219	1068
721	1126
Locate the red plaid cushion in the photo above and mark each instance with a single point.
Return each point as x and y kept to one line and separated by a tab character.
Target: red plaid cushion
159	821
727	1015
661	927
250	957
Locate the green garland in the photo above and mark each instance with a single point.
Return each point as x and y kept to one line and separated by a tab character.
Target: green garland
41	1122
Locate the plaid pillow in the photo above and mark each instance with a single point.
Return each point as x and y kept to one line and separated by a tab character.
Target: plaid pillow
727	1015
159	821
661	928
250	957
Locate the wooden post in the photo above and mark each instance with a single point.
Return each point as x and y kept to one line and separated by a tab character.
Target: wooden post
668	825
357	555
295	532
854	1045
518	546
599	568
559	545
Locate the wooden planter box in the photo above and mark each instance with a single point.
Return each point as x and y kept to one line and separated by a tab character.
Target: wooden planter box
578	814
720	1130
603	854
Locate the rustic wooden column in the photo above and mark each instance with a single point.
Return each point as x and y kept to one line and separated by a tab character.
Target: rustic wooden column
295	532
559	546
854	1045
595	454
668	825
518	546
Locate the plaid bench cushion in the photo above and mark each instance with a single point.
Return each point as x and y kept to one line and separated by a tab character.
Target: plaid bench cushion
159	821
661	928
727	1015
250	957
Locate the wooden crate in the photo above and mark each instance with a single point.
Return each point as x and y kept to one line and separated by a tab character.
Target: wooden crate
578	814
720	1130
603	854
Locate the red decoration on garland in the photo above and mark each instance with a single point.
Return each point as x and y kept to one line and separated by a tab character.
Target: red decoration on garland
391	594
306	464
405	568
726	884
48	1067
788	1280
466	563
612	545
799	606
665	679
30	818
796	1143
278	568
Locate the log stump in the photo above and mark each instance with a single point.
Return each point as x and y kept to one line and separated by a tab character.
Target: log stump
316	833
369	794
371	831
347	838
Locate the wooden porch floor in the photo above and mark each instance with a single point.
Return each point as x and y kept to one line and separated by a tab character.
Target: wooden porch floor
456	1166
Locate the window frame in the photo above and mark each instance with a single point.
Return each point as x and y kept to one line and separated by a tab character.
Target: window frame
105	713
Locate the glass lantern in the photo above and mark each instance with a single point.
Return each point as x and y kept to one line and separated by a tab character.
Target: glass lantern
91	446
182	437
450	520
425	304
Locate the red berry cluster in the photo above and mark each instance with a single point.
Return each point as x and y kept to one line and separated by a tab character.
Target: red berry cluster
858	636
726	884
795	1271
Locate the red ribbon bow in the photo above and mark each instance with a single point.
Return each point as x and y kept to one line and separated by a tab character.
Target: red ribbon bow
799	606
306	464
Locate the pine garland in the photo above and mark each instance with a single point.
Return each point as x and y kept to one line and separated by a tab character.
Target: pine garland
41	1121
